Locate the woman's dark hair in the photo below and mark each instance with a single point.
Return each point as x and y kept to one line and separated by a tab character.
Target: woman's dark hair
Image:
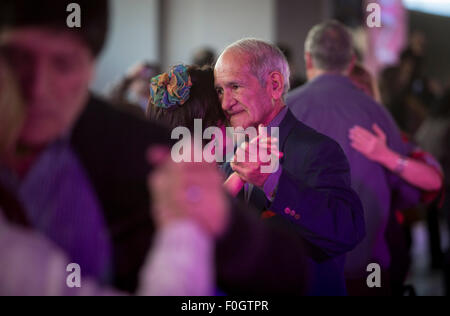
53	14
203	103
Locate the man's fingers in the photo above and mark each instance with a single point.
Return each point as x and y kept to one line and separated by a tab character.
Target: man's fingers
264	143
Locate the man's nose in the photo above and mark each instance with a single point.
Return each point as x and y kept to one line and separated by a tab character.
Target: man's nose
227	101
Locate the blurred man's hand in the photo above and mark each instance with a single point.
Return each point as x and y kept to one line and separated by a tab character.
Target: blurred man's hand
187	190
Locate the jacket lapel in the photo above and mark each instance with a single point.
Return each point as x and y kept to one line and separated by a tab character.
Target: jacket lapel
286	127
258	198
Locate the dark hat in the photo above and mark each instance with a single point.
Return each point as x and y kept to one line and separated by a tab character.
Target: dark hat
54	14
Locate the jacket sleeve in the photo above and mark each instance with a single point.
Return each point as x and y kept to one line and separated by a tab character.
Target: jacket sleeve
325	210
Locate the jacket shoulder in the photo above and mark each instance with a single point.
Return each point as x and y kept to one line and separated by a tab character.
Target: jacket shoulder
314	146
305	134
112	139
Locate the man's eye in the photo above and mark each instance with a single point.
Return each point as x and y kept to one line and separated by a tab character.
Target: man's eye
235	87
219	91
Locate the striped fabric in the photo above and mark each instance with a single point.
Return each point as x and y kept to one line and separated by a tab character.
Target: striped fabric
60	203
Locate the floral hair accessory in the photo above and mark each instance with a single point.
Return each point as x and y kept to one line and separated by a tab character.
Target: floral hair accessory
172	88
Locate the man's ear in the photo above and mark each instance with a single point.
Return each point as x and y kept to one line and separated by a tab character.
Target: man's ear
275	85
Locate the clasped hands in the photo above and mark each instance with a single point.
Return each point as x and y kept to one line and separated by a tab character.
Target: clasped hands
248	163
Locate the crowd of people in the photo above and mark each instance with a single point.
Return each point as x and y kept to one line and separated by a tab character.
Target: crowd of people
91	181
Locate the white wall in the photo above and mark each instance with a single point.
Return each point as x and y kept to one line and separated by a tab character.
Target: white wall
186	26
133	36
190	24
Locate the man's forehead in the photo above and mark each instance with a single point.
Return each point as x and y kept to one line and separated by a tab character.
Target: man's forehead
232	66
232	60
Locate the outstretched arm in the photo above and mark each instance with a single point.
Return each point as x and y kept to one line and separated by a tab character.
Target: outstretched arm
373	146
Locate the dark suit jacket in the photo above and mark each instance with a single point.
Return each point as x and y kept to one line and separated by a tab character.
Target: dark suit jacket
315	184
111	145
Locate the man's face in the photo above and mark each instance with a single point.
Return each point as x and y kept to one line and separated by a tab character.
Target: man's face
245	102
54	70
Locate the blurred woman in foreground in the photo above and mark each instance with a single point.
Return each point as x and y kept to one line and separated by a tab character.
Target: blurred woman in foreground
179	263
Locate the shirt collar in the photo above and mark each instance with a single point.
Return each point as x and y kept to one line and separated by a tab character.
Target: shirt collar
279	118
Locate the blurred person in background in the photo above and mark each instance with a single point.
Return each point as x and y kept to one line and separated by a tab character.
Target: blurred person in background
81	178
407	91
433	135
204	57
131	93
420	169
426	175
332	104
413	98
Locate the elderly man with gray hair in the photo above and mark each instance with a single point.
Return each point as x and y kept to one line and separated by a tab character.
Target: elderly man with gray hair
310	193
332	105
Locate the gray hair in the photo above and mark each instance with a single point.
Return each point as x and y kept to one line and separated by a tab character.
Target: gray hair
264	58
330	45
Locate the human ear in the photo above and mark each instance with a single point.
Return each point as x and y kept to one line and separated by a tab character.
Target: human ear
276	85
